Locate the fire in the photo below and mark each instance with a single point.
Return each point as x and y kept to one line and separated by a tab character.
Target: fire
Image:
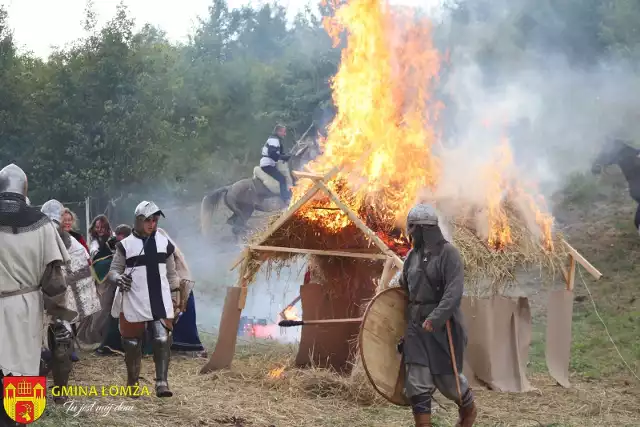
499	229
383	138
290	313
276	372
385	116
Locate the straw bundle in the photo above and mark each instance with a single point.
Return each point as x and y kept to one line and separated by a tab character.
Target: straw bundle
484	266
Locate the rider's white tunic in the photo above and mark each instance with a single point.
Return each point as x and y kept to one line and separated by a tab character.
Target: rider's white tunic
265	160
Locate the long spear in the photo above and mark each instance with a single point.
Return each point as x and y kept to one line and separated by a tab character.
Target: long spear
289	323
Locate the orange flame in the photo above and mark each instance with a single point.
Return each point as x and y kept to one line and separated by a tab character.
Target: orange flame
384	133
499	229
276	372
385	115
290	313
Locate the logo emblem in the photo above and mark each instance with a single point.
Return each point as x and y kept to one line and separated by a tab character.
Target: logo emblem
24	398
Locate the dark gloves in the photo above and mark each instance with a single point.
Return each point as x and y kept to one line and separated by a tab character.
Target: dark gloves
400	345
124	282
285	157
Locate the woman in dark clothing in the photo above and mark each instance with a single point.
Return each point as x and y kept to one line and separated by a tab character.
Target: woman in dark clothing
102	238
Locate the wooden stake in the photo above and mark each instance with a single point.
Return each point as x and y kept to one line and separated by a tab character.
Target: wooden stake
291	304
292	210
387	274
317	252
582	261
361	225
309	175
453	360
571	274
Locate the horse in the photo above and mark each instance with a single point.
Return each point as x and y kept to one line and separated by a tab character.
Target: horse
248	195
617	151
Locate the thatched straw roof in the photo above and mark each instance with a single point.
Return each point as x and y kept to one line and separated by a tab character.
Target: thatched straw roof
483	266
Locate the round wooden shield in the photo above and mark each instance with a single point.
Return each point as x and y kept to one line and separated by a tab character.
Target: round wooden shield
382	327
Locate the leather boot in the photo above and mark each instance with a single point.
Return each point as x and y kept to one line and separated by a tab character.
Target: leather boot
422	420
161	356
467	415
61	362
132	359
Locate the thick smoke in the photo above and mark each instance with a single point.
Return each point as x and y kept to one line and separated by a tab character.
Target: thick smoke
555	113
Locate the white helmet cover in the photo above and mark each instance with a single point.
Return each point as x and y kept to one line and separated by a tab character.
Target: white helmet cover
54	210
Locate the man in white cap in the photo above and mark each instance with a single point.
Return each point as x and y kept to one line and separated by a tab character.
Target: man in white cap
81	297
31	276
144	270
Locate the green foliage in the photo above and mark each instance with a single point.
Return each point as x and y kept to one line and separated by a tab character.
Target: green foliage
123	108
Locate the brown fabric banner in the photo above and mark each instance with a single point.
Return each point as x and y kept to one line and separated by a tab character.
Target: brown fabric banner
499	330
331	345
558	349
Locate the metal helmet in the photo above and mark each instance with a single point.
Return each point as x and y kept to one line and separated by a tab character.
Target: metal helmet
54	210
13	180
422	214
147	209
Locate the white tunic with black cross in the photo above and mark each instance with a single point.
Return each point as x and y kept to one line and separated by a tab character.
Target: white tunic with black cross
150	295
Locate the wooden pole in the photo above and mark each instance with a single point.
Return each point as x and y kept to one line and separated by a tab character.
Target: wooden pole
87	215
291	304
291	211
577	257
387	274
453	360
571	274
361	225
317	252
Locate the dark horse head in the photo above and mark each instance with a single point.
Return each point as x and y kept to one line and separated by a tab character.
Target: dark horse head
619	152
615	151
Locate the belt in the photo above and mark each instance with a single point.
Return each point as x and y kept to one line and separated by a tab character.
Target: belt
19	292
428	302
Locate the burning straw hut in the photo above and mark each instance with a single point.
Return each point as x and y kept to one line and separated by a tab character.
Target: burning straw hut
381	155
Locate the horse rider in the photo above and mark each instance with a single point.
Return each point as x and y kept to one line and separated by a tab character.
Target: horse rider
272	151
144	271
433	277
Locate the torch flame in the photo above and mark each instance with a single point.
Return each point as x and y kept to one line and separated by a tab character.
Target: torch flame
290	313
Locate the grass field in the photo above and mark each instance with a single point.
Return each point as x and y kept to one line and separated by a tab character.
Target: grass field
597	219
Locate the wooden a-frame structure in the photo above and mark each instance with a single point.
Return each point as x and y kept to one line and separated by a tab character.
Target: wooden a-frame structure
558	350
236	296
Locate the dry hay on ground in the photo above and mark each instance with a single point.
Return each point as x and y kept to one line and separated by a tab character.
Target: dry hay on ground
247	396
484	267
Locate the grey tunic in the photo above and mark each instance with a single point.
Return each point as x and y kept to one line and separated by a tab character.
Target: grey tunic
428	277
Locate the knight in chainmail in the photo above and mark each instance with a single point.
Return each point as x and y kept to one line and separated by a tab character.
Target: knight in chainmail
81	297
148	294
31	277
433	277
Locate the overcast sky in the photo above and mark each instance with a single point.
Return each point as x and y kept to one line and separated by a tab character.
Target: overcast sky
40	24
